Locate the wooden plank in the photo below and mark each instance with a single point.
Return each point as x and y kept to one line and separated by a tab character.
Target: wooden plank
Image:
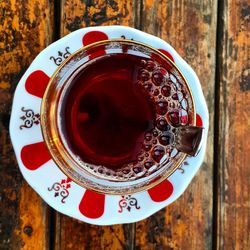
76	14
25	29
190	27
234	140
73	234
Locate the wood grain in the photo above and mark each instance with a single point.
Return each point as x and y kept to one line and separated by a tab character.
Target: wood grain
190	27
25	29
70	233
73	234
78	14
234	123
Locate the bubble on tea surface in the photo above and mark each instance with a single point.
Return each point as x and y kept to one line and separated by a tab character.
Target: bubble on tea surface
147	146
166	138
150	65
155	133
143	62
154	141
149	164
158	77
156	92
138	169
120	174
175	96
148	136
162	107
100	170
125	171
158	153
140	157
174	118
166	90
144	75
148	87
162	124
170	105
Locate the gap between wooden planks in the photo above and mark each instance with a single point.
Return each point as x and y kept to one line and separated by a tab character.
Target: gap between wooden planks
26	27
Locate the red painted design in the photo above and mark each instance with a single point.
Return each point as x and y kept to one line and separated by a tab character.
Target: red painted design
161	192
167	54
35	155
199	122
128	202
36	83
92	204
61	189
92	37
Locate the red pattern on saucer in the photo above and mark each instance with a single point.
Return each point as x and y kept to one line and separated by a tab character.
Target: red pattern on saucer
167	54
35	155
92	37
92	204
36	83
161	192
92	207
199	122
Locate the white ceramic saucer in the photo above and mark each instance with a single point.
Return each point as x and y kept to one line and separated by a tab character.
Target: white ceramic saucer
47	179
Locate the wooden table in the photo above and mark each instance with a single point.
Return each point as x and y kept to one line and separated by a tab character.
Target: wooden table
212	36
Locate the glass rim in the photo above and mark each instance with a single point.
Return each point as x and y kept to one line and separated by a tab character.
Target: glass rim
53	142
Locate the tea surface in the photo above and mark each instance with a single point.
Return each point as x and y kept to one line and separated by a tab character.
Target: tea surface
106	112
121	112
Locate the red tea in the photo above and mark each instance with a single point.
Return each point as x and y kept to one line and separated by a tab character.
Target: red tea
121	111
106	112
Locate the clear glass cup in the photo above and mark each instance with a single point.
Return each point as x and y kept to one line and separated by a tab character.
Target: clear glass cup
187	137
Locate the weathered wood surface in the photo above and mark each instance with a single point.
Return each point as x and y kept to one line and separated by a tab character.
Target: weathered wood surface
190	27
234	123
25	28
214	212
77	14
